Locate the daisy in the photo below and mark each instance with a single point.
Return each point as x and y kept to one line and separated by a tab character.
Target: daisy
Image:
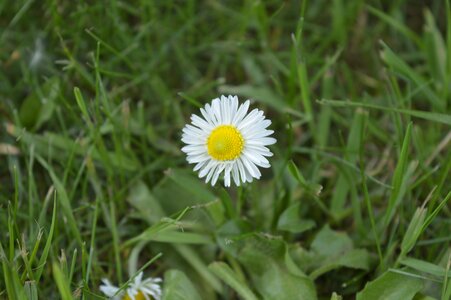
228	140
138	289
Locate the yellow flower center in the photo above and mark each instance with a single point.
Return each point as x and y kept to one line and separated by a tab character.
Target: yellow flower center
225	143
139	296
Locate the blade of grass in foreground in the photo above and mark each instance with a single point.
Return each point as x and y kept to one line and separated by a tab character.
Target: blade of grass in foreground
426	115
225	273
64	200
61	282
399	179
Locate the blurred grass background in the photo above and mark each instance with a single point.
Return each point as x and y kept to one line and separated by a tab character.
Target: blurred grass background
93	96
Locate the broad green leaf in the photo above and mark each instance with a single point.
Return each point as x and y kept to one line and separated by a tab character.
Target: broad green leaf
354	259
264	259
177	286
144	201
335	250
391	286
38	107
330	243
290	220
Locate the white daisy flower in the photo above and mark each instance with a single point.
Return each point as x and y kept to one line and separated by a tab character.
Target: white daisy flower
137	289
228	140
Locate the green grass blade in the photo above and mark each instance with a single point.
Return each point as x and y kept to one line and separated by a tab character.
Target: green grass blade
226	274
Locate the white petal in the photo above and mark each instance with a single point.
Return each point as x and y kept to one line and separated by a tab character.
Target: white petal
216	107
241	170
201	123
265	141
217	173
241	113
206	169
207	117
197	158
235	174
250	166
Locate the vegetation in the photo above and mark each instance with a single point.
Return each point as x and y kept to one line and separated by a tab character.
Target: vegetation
93	97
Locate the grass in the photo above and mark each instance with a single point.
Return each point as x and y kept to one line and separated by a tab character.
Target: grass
93	97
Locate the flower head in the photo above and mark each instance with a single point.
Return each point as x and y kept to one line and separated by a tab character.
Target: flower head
138	289
228	140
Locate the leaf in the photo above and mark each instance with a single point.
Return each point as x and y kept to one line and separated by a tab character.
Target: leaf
400	178
425	267
335	296
413	230
62	147
197	263
391	286
177	286
426	115
398	65
147	206
61	282
226	274
263	95
64	201
335	250
265	261
31	290
38	107
330	243
290	221
177	237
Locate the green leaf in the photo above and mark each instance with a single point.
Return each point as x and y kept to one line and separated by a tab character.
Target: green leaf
413	231
263	95
197	262
81	102
226	274
426	115
335	296
61	282
400	178
335	250
31	290
391	286
147	206
398	65
64	201
354	259
38	107
290	221
177	286
178	237
330	243
425	267
265	261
